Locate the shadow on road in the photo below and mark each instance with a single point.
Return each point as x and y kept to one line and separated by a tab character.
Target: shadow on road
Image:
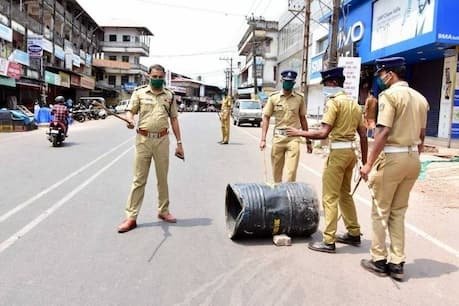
428	268
180	223
191	222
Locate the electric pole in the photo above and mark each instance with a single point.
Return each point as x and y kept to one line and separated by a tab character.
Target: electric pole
333	50
304	76
229	74
252	22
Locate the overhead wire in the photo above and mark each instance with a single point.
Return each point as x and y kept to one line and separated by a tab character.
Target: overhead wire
193	8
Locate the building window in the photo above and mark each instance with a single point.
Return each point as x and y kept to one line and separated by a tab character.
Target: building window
125	58
124	79
126	38
112	37
321	45
112	57
99	76
136	60
112	80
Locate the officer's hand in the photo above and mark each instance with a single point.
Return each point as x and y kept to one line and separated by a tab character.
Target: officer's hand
179	151
131	124
309	147
293	132
364	171
262	145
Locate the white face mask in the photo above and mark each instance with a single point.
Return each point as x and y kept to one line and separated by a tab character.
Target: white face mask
330	91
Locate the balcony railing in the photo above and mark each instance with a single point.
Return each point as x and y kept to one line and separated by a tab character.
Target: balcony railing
34	25
139	66
124	44
5	7
18	15
50	2
59	39
60	8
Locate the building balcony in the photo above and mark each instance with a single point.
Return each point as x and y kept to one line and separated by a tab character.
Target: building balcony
108	64
59	39
49	2
139	67
125	47
60	8
5	7
19	16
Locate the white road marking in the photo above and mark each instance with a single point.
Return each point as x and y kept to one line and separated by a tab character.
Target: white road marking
22	232
363	200
23	205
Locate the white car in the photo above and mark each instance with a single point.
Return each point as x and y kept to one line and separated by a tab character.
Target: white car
121	107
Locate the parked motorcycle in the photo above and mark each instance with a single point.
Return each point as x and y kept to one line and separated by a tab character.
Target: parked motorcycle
56	133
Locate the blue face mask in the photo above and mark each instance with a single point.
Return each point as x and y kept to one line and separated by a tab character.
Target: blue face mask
331	90
381	82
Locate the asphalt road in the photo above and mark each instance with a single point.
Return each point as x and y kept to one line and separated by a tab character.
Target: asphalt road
59	209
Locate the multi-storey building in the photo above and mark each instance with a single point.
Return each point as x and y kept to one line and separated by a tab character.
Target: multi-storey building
260	39
291	45
68	37
118	63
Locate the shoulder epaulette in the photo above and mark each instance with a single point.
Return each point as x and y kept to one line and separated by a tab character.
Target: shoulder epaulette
140	87
299	93
274	93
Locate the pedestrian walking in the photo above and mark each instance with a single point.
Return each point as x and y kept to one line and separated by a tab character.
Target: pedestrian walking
341	120
289	110
370	113
155	106
227	104
393	165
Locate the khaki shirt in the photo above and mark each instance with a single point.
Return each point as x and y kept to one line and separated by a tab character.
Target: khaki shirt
227	104
286	110
226	109
154	109
344	115
404	110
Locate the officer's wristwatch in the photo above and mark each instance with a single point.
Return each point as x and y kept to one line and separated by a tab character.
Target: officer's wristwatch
179	142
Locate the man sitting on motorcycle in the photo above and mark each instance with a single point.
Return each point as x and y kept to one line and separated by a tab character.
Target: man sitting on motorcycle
61	112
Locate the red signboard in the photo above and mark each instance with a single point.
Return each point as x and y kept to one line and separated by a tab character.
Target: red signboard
87	82
75	80
14	70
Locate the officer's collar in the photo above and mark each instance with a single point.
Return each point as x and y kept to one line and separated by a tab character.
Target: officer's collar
293	93
163	90
400	83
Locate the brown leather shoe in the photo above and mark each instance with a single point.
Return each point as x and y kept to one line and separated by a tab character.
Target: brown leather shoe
127	225
167	217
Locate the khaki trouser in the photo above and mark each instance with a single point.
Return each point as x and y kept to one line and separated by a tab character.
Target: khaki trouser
146	149
225	119
391	180
336	192
286	153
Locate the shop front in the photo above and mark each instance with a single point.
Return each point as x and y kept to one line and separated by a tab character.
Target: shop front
425	32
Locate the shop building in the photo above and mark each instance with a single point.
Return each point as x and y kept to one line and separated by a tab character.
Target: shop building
47	48
426	33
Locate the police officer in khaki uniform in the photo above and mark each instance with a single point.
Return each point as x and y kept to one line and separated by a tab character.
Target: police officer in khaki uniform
341	120
227	104
393	165
155	106
289	110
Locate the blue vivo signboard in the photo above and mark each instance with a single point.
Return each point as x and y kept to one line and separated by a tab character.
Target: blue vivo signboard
402	27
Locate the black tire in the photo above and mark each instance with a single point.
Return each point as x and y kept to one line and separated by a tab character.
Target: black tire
258	124
55	141
238	123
